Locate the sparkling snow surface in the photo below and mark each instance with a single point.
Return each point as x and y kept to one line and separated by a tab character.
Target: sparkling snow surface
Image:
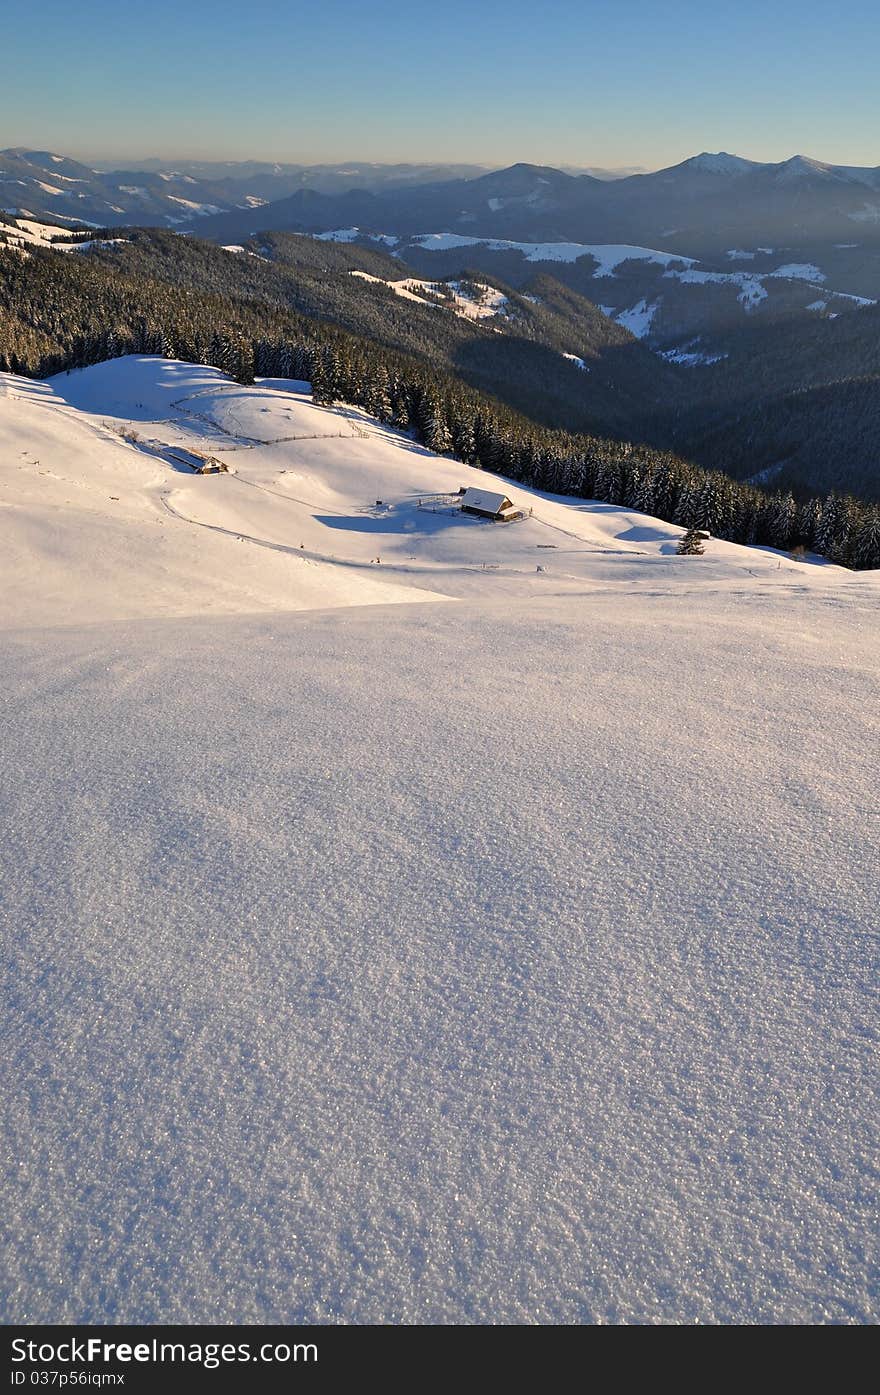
508	959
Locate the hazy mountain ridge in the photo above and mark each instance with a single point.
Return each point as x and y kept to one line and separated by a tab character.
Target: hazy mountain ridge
703	202
691	200
173	193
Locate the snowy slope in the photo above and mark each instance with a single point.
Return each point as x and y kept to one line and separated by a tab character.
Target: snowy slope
103	519
92	523
507	959
27	232
481	302
608	255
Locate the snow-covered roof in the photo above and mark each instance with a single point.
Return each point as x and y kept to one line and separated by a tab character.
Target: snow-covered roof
485	500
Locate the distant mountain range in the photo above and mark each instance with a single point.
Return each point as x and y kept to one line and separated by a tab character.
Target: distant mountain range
274	180
708	202
46	185
156	193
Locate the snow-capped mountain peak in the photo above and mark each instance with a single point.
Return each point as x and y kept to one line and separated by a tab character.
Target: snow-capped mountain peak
802	167
719	163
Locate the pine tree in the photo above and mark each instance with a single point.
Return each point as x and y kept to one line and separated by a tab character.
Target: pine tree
687	510
708	507
807	526
782	521
324	378
608	483
866	542
464	446
830	524
486	440
243	362
645	498
378	394
691	544
433	427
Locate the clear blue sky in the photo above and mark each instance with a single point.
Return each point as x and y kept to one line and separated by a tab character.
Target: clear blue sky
609	82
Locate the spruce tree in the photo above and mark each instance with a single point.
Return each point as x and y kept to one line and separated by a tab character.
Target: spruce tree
691	544
866	542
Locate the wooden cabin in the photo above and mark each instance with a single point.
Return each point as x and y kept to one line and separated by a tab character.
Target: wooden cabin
485	504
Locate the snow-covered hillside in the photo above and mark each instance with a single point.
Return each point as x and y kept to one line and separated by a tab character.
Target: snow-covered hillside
607	256
505	957
664	298
105	519
475	301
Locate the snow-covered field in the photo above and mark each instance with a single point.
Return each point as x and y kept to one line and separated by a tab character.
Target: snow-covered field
476	302
753	289
608	255
23	233
504	955
639	319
